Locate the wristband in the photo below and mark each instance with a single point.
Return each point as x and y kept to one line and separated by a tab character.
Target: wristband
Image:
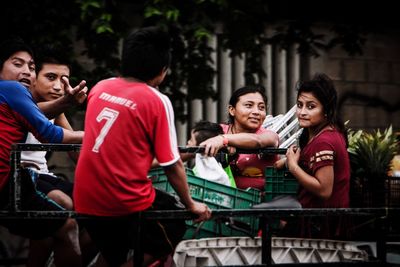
225	140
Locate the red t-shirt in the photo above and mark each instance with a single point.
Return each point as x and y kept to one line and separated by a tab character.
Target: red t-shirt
248	169
127	124
327	149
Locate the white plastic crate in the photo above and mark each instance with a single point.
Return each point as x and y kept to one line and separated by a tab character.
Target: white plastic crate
247	251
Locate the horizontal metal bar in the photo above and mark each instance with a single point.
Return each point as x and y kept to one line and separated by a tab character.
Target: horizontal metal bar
183	149
182	214
267	150
44	147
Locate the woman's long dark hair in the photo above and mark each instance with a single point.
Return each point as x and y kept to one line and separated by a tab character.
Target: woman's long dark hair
322	88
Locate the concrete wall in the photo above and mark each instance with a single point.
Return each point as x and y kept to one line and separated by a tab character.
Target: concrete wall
368	85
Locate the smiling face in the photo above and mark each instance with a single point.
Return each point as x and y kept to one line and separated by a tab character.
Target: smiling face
310	111
48	82
19	67
249	112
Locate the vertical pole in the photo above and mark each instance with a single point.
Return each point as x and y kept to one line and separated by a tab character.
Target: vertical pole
137	252
15	185
381	239
266	244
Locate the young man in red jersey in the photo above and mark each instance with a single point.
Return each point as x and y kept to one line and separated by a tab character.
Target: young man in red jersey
129	123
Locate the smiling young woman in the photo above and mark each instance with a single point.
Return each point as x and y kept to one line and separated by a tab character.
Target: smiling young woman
247	111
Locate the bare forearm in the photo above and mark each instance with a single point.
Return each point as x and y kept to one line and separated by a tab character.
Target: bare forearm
177	177
317	186
72	137
248	140
53	108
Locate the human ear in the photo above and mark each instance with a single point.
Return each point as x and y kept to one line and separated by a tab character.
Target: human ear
231	110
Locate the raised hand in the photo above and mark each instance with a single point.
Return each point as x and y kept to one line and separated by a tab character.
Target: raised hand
76	95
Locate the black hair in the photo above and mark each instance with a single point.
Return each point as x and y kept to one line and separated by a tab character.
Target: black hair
322	88
12	46
205	129
51	54
145	53
244	91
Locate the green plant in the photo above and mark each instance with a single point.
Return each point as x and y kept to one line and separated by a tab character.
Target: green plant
370	157
371	153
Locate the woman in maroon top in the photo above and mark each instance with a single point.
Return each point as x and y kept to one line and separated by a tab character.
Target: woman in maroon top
321	163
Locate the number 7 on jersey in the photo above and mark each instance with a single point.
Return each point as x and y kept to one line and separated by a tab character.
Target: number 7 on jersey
110	116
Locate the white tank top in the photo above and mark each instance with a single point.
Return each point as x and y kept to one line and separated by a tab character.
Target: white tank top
37	157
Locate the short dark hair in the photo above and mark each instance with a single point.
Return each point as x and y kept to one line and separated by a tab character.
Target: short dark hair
51	54
206	129
145	53
11	46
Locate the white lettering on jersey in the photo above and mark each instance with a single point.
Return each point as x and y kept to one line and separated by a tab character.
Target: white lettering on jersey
118	100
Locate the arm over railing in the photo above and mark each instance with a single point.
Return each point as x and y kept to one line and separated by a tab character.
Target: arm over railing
380	214
16	149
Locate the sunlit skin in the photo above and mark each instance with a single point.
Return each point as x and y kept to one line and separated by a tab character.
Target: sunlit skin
249	113
19	67
310	112
49	85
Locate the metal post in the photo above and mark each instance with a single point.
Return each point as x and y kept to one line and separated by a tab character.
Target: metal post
15	184
137	250
266	242
381	239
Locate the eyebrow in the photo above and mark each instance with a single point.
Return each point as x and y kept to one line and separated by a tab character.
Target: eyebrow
307	101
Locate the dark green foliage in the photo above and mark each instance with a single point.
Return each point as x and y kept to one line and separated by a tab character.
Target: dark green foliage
94	28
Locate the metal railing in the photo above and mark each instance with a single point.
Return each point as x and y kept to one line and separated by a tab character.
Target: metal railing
266	215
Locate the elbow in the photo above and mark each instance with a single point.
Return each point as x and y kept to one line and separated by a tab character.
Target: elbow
325	194
271	141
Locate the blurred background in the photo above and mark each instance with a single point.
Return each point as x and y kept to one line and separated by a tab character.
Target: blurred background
219	46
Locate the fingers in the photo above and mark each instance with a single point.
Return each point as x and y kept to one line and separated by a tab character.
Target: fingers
72	91
212	146
67	87
80	87
78	94
204	214
81	96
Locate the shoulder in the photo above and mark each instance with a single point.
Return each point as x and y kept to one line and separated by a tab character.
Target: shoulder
225	127
330	136
12	87
15	94
329	139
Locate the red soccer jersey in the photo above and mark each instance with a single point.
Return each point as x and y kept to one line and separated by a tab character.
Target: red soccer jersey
127	124
329	148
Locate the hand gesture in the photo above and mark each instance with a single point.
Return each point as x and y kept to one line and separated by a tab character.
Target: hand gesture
76	95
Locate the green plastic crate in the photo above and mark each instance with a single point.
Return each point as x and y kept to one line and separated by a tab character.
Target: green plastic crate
279	182
216	196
